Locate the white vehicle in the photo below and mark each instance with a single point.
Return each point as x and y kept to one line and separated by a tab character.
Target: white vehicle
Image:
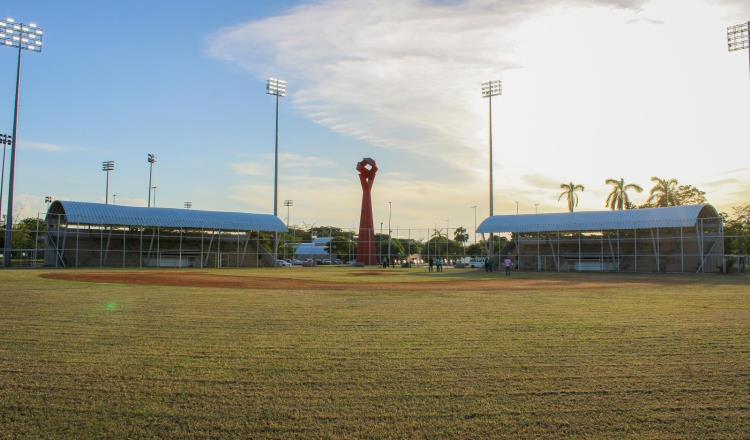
282	263
476	263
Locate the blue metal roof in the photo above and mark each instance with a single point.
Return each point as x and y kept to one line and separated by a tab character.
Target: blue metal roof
670	217
310	249
83	213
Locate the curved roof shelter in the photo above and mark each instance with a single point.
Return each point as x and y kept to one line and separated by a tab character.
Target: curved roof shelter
671	217
99	214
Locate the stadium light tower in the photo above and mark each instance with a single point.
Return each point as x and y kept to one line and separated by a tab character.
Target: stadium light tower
22	37
288	204
154	188
151	162
188	205
490	89
5	140
738	38
107	166
276	87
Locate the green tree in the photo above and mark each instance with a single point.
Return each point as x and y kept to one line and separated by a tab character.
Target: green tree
689	195
570	191
618	198
664	193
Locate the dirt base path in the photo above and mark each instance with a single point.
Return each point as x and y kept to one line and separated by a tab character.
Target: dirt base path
208	280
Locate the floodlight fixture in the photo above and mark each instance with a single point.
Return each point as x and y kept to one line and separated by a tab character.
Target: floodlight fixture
188	205
22	37
47	199
738	38
490	89
276	87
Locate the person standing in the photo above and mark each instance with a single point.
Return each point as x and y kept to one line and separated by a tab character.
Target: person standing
508	264
439	264
429	264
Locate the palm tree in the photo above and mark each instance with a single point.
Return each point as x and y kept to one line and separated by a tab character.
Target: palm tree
570	191
664	192
618	198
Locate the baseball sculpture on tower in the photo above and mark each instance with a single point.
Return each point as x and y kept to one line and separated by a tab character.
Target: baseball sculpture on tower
366	241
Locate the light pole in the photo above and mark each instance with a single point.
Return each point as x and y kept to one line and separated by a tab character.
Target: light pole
6	140
107	166
154	188
288	203
276	87
151	161
188	205
380	244
516	207
738	38
390	205
22	37
447	237
536	208
475	223
114	199
490	89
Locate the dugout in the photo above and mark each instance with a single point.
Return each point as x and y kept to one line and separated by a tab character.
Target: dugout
81	234
675	239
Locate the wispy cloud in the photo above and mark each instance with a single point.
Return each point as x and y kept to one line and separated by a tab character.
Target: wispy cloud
587	96
47	146
250	169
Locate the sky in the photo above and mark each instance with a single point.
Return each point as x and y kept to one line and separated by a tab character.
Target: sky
591	90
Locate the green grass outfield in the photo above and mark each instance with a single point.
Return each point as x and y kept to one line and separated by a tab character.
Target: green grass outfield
586	356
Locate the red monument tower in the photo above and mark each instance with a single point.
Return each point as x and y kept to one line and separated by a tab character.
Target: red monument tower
366	241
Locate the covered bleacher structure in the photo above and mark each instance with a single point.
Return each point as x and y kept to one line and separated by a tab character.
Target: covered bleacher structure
669	240
81	234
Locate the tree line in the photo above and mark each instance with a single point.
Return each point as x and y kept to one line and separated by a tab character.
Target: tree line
665	192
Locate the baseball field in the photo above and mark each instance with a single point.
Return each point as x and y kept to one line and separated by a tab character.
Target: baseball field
359	353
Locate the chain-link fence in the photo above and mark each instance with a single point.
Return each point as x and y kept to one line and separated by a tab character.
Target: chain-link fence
681	250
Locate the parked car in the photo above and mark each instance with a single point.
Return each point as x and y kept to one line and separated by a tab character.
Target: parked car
476	263
296	262
308	263
282	263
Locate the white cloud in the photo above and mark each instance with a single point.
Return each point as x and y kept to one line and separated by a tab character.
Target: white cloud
46	146
592	89
250	169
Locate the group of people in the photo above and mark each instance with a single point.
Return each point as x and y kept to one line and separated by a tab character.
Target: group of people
438	263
